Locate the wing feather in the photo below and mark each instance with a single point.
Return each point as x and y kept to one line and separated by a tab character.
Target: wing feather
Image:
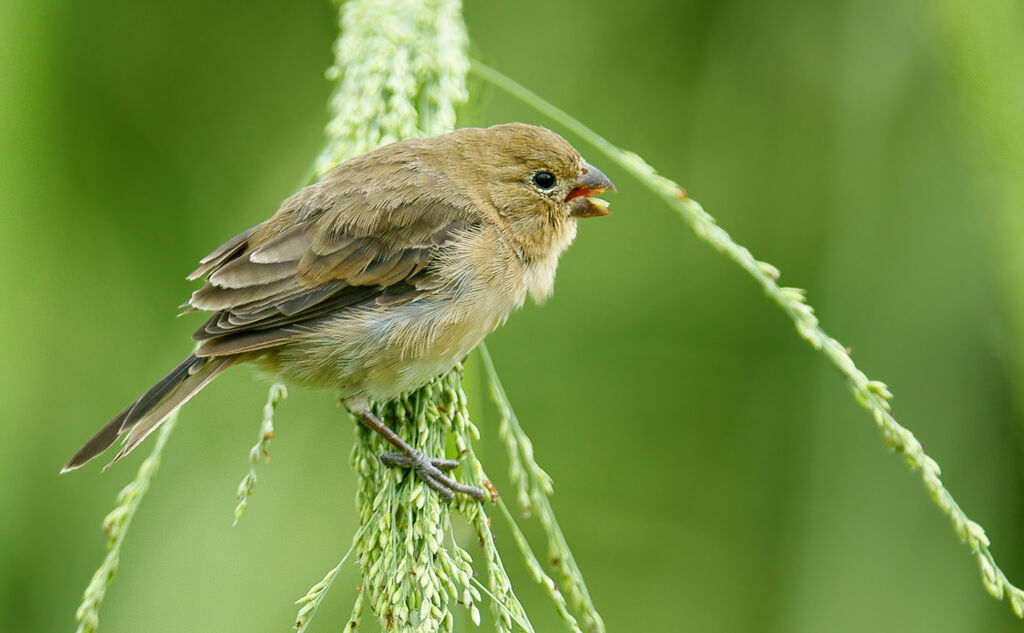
222	253
265	292
287	247
242	273
367	233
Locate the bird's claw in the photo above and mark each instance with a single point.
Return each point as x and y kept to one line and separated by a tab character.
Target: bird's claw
399	460
430	471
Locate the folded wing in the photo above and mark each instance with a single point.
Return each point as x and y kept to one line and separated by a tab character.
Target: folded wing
265	291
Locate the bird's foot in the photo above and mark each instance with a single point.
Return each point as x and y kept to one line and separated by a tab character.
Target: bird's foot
431	471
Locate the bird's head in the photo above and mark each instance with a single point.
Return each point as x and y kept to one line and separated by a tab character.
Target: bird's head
536	182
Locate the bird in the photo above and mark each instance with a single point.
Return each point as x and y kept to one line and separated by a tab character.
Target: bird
382	275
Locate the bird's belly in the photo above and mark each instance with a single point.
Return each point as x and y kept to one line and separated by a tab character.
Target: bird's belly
381	354
416	353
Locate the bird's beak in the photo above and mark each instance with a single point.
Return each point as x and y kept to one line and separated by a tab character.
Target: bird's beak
581	198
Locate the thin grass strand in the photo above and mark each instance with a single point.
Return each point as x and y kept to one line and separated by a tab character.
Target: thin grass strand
116	525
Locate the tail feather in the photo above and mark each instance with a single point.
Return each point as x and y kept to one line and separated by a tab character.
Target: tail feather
145	414
99	442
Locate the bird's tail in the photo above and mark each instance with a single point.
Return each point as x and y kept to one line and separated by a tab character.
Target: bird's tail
143	416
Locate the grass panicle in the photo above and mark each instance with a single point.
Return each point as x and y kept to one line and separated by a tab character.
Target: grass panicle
401	68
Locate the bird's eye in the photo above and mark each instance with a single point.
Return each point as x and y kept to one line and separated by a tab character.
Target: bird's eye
544	180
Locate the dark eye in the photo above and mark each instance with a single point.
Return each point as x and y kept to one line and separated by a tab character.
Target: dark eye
544	180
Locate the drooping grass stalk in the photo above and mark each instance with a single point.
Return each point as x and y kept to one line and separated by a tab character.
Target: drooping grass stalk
873	395
316	594
260	451
533	486
116	525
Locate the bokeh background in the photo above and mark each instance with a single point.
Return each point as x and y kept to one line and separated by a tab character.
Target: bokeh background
712	472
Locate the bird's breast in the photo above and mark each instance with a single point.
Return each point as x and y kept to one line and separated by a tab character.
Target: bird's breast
416	342
382	351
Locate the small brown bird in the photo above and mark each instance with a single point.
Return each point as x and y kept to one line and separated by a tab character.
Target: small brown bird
383	275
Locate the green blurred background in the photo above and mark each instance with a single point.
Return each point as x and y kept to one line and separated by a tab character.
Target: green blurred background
712	472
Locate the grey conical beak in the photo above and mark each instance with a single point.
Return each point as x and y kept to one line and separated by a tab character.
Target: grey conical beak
592	182
593	178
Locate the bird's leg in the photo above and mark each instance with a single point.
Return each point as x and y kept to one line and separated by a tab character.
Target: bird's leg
427	469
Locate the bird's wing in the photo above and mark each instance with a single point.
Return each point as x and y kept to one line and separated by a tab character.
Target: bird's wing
264	292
